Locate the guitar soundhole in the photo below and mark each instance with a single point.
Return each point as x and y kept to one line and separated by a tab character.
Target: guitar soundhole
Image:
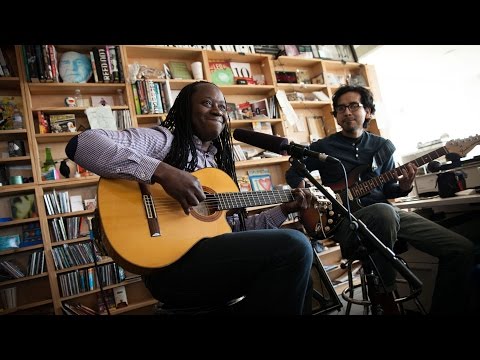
206	210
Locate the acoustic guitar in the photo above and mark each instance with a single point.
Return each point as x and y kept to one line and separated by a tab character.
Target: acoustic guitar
145	229
321	227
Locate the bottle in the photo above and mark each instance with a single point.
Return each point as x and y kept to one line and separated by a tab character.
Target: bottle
17	119
121	101
48	168
78	98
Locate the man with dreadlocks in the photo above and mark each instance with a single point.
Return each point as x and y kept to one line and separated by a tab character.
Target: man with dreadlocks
270	266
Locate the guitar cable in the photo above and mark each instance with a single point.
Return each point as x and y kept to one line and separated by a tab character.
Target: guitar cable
93	222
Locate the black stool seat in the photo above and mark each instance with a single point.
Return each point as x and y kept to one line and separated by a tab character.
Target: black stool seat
210	309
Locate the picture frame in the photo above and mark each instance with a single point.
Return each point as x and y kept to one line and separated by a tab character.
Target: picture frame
102	100
337	52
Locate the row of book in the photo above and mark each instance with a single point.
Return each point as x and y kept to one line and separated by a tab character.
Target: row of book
59	202
69	255
151	97
41	63
69	228
114	298
6	65
107	64
83	280
36	265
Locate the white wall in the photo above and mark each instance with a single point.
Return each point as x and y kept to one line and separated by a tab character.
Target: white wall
427	91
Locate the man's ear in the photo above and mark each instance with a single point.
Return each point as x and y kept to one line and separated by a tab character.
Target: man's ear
368	114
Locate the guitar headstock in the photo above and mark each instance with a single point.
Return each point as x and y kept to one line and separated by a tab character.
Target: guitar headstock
462	146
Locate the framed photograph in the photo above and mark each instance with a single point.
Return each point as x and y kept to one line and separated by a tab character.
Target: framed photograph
102	100
260	108
337	52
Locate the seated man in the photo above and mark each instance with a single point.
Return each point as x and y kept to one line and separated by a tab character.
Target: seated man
354	147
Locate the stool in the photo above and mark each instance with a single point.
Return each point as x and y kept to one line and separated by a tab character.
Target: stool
348	294
210	309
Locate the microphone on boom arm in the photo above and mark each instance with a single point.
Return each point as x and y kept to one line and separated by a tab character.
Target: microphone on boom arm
279	145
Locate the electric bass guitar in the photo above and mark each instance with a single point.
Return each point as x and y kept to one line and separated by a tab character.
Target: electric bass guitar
321	227
145	229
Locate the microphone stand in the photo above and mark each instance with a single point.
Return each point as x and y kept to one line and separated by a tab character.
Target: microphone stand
357	225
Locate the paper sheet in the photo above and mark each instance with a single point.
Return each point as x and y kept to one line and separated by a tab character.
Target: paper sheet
101	117
287	108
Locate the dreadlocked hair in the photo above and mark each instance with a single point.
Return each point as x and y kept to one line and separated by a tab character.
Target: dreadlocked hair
179	123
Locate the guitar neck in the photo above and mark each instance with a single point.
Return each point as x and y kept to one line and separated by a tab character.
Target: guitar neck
365	187
227	201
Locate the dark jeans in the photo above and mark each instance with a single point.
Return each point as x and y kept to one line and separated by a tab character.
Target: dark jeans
271	267
454	252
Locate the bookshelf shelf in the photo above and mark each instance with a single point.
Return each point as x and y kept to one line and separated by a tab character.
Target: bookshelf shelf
247	89
26	307
16	159
76	109
25	278
70	214
51	138
71	268
63	88
131	307
267	161
6	135
21	249
18	222
71	241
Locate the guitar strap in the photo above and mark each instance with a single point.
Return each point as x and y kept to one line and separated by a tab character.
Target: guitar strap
384	153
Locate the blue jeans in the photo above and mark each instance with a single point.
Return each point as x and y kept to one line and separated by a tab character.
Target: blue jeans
271	267
454	252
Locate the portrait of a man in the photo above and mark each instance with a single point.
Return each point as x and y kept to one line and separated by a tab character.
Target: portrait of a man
75	67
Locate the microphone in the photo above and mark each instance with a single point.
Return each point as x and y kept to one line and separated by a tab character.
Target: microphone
279	145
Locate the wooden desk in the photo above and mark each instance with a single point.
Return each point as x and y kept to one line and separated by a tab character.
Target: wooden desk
451	204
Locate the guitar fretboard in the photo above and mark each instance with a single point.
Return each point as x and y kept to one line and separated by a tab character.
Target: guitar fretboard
226	201
365	187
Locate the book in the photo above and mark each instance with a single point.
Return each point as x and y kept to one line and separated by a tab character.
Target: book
8	105
232	111
263	127
260	179
179	70
60	123
76	203
43	126
260	108
244	183
245	110
32	234
9	242
221	72
242	71
23	207
120	296
90	204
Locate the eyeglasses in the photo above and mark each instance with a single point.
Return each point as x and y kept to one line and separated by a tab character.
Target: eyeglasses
354	106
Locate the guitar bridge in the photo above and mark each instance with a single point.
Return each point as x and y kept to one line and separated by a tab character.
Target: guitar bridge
150	211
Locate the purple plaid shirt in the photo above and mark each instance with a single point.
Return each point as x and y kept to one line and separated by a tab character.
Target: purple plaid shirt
135	153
